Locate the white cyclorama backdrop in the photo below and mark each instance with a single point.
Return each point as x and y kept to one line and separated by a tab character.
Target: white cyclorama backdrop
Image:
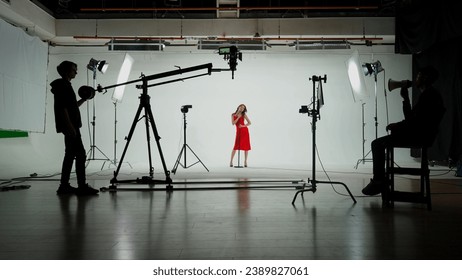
272	84
23	65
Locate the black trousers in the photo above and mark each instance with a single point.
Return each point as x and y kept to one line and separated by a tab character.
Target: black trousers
74	149
379	146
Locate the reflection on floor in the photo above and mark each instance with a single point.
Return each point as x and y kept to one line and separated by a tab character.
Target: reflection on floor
222	218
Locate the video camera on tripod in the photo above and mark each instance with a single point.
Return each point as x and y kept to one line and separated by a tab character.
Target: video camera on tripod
185	108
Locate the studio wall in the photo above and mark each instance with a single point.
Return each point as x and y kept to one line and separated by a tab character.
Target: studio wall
273	85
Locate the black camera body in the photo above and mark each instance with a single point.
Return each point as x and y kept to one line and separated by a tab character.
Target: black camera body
185	108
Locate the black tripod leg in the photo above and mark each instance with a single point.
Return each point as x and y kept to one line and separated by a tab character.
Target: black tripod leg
311	189
129	137
197	157
148	138
156	135
177	162
339	183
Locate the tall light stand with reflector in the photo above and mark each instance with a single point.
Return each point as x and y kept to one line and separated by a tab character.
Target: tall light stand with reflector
371	69
358	87
95	66
356	73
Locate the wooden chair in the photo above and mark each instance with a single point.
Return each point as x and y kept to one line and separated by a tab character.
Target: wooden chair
423	195
390	195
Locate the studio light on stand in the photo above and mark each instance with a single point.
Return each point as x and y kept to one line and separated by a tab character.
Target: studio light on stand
95	66
374	69
356	72
185	109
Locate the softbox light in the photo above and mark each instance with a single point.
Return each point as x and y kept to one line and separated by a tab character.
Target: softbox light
356	77
124	72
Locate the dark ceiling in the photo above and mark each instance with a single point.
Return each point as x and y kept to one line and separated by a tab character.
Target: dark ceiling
207	9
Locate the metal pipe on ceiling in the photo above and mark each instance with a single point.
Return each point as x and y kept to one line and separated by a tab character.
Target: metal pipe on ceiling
192	9
232	38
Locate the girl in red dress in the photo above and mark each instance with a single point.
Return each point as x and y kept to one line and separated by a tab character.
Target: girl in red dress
242	142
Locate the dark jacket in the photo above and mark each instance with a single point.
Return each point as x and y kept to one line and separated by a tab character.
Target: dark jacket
65	98
421	122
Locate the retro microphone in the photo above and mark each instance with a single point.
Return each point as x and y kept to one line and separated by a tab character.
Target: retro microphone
392	84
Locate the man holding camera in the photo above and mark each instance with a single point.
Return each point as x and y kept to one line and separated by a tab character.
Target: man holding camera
68	121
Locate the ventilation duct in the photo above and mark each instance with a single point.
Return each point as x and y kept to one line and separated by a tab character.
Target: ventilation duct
322	45
252	45
136	45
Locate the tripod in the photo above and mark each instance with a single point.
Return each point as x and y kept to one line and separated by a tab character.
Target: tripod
183	150
314	113
93	146
149	120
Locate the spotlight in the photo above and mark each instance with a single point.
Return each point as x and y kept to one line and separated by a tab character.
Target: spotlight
185	108
372	68
99	65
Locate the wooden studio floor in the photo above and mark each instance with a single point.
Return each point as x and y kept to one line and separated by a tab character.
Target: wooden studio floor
216	220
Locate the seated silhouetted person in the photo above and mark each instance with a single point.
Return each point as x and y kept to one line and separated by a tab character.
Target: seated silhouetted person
419	127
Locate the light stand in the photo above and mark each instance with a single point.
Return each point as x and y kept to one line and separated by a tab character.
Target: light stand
115	136
315	114
363	159
369	69
94	66
149	121
184	110
118	94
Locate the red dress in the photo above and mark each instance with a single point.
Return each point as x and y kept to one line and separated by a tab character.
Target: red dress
242	141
